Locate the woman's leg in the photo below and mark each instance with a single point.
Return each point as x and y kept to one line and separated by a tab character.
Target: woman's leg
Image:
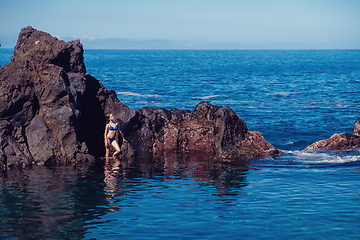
117	148
107	148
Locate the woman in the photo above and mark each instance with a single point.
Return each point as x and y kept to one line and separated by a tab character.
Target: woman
109	135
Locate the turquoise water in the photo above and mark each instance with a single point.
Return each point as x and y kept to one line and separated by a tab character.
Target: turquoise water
293	97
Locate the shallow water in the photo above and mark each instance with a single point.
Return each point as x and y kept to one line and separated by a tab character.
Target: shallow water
296	196
293	97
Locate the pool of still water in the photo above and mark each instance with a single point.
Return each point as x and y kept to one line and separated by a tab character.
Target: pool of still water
299	196
293	197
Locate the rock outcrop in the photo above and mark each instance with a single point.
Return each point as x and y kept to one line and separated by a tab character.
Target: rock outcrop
42	90
339	141
218	131
51	111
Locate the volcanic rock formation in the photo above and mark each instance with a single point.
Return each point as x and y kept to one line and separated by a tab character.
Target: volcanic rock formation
339	141
52	112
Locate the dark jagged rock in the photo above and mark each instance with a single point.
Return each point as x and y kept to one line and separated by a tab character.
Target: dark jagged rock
51	111
42	90
339	141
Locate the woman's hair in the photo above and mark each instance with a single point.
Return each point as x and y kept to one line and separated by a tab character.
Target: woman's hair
108	117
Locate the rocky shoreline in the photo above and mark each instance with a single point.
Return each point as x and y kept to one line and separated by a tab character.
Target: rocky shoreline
52	112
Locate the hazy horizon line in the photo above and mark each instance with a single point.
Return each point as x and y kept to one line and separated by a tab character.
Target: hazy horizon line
160	44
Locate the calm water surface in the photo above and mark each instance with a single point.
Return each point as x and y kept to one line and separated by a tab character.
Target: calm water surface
293	97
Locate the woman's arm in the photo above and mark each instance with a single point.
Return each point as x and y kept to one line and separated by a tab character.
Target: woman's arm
124	140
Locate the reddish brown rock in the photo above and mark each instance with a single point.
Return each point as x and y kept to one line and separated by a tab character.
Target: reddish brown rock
357	128
217	131
338	141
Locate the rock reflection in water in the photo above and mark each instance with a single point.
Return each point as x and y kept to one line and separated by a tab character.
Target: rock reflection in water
49	203
196	166
58	202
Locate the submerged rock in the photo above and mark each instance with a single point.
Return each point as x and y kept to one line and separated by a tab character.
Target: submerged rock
339	141
51	111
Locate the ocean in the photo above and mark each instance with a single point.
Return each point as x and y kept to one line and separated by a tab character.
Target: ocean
293	97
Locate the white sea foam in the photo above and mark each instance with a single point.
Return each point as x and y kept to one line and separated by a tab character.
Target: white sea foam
330	157
137	94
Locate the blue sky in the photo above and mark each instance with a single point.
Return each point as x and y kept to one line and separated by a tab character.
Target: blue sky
189	24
